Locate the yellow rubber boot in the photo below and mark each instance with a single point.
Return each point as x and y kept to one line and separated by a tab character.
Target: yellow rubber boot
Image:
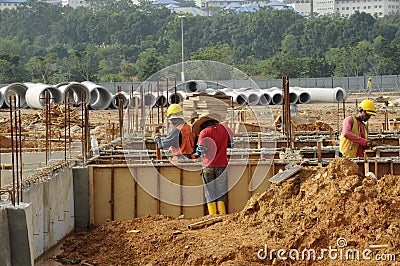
212	208
221	207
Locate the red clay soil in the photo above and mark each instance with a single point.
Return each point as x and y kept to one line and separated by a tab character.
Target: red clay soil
334	211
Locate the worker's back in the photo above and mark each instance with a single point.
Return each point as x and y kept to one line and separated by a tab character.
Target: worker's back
215	139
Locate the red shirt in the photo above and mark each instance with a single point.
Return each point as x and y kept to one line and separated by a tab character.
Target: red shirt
348	134
215	140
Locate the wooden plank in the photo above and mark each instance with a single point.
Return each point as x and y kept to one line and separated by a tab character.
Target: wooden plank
279	177
170	189
101	195
193	191
92	203
124	197
239	194
261	174
147	187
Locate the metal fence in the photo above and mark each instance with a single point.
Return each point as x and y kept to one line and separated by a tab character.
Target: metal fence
352	84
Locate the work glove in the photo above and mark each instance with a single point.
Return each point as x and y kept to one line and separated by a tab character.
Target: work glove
156	135
195	156
371	144
201	150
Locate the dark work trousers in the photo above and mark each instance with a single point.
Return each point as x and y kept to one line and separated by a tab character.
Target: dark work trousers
215	182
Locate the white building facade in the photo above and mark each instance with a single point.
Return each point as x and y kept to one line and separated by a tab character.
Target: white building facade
345	7
75	3
10	4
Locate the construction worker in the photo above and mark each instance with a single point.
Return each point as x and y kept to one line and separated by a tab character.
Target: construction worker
354	137
369	87
180	139
213	141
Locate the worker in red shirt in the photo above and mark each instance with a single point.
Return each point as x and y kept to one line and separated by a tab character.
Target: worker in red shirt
354	137
212	143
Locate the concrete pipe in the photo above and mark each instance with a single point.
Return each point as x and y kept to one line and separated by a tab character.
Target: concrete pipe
161	100
75	92
135	100
265	98
124	96
36	95
293	97
302	96
252	96
196	86
275	94
223	91
149	99
237	97
100	97
14	89
178	98
1	100
330	95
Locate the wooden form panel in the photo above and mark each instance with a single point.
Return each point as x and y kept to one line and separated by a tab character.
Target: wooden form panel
261	174
100	194
239	194
147	177
170	191
192	178
123	197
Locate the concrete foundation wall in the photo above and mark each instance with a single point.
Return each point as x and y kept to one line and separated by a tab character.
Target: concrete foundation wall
20	231
5	252
52	206
31	161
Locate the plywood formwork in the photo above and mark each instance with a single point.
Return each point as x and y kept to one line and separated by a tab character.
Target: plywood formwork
119	193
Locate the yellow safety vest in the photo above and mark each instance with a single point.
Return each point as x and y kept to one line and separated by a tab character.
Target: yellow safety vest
346	146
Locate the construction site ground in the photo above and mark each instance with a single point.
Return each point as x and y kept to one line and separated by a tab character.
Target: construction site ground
335	211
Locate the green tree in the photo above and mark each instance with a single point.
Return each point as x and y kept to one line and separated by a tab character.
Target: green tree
83	65
289	46
219	52
147	64
41	68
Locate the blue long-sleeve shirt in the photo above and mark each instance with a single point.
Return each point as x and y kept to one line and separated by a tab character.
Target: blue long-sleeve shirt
174	137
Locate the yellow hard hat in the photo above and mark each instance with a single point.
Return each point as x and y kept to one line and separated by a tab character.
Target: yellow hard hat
174	109
369	78
368	106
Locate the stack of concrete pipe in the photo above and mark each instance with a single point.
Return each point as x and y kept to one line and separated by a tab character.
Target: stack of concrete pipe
99	98
271	96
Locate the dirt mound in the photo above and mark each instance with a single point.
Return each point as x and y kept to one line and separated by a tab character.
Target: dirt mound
332	211
318	125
